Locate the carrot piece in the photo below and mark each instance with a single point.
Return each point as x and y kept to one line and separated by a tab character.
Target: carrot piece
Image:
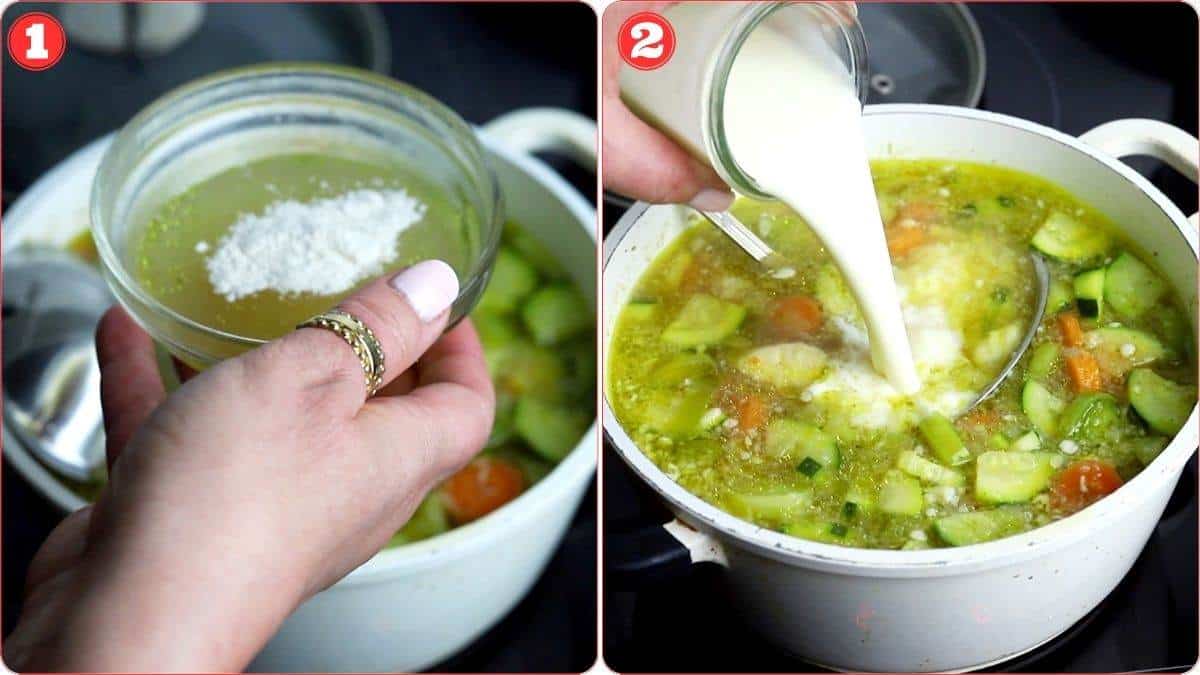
796	316
480	487
1068	326
921	212
751	412
901	239
1084	371
1082	483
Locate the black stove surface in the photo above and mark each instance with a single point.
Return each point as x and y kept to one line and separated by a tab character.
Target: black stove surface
1068	66
482	60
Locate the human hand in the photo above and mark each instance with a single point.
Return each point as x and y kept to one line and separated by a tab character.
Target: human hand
639	161
259	482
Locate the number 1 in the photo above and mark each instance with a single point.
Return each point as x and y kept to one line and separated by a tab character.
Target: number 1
37	42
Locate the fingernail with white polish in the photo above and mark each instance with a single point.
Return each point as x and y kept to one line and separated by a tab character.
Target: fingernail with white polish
430	287
709	199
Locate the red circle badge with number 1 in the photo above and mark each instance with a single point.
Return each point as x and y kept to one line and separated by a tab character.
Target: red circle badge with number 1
646	41
36	41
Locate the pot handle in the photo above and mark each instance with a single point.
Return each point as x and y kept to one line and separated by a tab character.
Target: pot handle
1176	147
531	130
651	555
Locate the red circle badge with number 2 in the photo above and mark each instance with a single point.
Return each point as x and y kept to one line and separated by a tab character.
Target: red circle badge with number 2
646	41
36	41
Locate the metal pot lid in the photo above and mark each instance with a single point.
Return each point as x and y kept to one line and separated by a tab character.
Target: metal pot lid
923	53
52	304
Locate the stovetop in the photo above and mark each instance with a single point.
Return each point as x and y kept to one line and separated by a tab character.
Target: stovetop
482	60
1071	67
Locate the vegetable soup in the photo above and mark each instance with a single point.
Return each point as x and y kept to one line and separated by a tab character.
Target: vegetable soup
753	388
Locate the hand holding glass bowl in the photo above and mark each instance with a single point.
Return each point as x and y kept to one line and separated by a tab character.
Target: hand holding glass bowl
234	122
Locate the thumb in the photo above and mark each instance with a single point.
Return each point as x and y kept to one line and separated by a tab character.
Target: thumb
130	384
406	313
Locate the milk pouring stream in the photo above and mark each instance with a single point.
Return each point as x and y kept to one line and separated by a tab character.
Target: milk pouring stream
758	91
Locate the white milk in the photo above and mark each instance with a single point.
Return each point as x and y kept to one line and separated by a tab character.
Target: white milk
793	123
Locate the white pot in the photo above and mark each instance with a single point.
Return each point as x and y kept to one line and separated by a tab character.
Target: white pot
953	608
413	606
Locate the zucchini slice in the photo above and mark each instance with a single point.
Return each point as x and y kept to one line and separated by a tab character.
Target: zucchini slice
1059	296
1012	477
1089	293
1041	407
1164	404
798	441
900	494
641	311
1065	238
1043	361
930	472
554	314
1120	350
551	430
704	320
1131	287
1090	418
1027	442
679	414
943	440
976	527
773	507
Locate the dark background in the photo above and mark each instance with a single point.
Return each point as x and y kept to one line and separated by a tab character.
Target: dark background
482	60
1069	66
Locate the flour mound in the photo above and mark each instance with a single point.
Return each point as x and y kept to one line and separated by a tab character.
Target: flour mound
322	247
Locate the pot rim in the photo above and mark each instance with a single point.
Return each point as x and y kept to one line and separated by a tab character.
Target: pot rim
402	560
1071	530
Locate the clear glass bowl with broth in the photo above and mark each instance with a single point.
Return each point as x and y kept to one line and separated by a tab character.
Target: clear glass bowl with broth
184	169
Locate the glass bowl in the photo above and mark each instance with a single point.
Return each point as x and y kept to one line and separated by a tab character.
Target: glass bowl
248	114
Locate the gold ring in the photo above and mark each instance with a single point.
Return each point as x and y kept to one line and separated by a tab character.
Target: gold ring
360	338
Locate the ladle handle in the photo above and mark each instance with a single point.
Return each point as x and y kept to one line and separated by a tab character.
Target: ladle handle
1152	138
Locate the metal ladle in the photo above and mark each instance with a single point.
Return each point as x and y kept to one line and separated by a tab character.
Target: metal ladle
758	249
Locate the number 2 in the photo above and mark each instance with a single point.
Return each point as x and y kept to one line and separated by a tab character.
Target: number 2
649	37
37	42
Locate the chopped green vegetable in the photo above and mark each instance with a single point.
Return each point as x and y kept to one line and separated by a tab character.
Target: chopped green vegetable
512	280
1012	477
930	472
552	430
704	320
809	467
799	440
943	440
1068	239
554	314
1131	287
1043	360
1041	407
900	494
976	527
1164	404
1089	293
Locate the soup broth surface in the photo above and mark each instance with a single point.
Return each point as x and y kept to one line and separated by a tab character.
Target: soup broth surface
754	390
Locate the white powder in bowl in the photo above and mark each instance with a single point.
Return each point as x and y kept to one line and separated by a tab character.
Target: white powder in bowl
322	247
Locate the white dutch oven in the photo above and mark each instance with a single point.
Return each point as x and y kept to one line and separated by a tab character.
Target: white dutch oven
413	606
955	608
